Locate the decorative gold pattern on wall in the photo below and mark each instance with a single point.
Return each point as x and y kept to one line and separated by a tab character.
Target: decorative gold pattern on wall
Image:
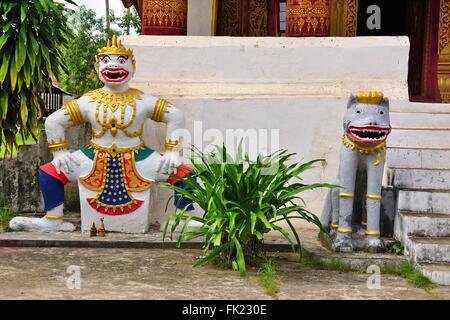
308	17
443	71
243	18
230	18
344	14
164	17
258	14
444	24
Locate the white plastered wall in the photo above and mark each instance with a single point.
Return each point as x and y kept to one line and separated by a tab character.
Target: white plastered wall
296	85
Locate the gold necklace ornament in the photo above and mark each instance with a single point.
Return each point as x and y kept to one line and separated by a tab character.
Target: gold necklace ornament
364	150
113	100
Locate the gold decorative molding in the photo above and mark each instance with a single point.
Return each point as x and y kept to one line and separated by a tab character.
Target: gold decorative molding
215	12
443	69
443	74
444	24
344	14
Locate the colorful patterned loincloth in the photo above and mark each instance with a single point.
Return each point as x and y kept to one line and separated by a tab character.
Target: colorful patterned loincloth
114	177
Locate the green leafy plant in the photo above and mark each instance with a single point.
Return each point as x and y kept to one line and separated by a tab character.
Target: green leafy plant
32	37
241	200
397	248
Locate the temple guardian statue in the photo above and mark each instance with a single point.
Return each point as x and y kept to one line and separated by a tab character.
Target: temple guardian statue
115	171
366	128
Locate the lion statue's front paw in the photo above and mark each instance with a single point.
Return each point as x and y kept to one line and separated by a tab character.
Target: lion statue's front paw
374	244
343	242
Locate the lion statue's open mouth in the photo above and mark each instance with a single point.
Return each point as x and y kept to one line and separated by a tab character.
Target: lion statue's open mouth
369	134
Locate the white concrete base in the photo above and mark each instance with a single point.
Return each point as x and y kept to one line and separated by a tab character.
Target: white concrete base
239	67
298	86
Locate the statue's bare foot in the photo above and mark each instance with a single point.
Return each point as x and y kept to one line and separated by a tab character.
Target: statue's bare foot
343	242
40	224
374	244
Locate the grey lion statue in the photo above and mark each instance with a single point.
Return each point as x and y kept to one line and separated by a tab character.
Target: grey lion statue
363	154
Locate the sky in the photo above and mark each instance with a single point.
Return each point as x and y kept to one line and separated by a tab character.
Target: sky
99	6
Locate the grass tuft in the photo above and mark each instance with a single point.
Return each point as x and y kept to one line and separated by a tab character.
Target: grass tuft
407	271
6	214
268	279
320	264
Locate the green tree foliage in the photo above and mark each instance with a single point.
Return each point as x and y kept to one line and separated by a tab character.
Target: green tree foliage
80	55
33	35
127	21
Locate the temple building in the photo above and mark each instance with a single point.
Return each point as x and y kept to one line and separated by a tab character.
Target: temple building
425	22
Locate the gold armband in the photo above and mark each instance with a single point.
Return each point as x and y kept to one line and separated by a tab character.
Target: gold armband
73	111
372	233
161	107
342	230
346	195
373	197
171	145
57	145
53	217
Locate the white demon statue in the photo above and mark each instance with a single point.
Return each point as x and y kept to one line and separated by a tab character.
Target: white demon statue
366	128
115	171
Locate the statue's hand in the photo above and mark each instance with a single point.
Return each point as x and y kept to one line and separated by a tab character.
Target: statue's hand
65	161
169	162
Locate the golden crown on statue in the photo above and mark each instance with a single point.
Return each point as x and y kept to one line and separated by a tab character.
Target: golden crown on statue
369	97
115	47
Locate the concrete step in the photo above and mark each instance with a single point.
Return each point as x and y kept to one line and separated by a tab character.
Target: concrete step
423	201
410	158
405	106
439	273
421	225
417	121
424	179
432	250
419	139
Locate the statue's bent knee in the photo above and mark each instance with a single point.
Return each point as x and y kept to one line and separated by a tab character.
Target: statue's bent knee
52	186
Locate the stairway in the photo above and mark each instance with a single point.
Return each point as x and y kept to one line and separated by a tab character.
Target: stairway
419	169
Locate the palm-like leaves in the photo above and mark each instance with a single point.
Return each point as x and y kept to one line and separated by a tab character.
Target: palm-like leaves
32	37
241	203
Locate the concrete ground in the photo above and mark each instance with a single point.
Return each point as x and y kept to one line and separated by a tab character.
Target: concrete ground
129	273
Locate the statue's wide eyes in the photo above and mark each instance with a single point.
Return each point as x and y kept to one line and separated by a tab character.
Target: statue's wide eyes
122	60
105	60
